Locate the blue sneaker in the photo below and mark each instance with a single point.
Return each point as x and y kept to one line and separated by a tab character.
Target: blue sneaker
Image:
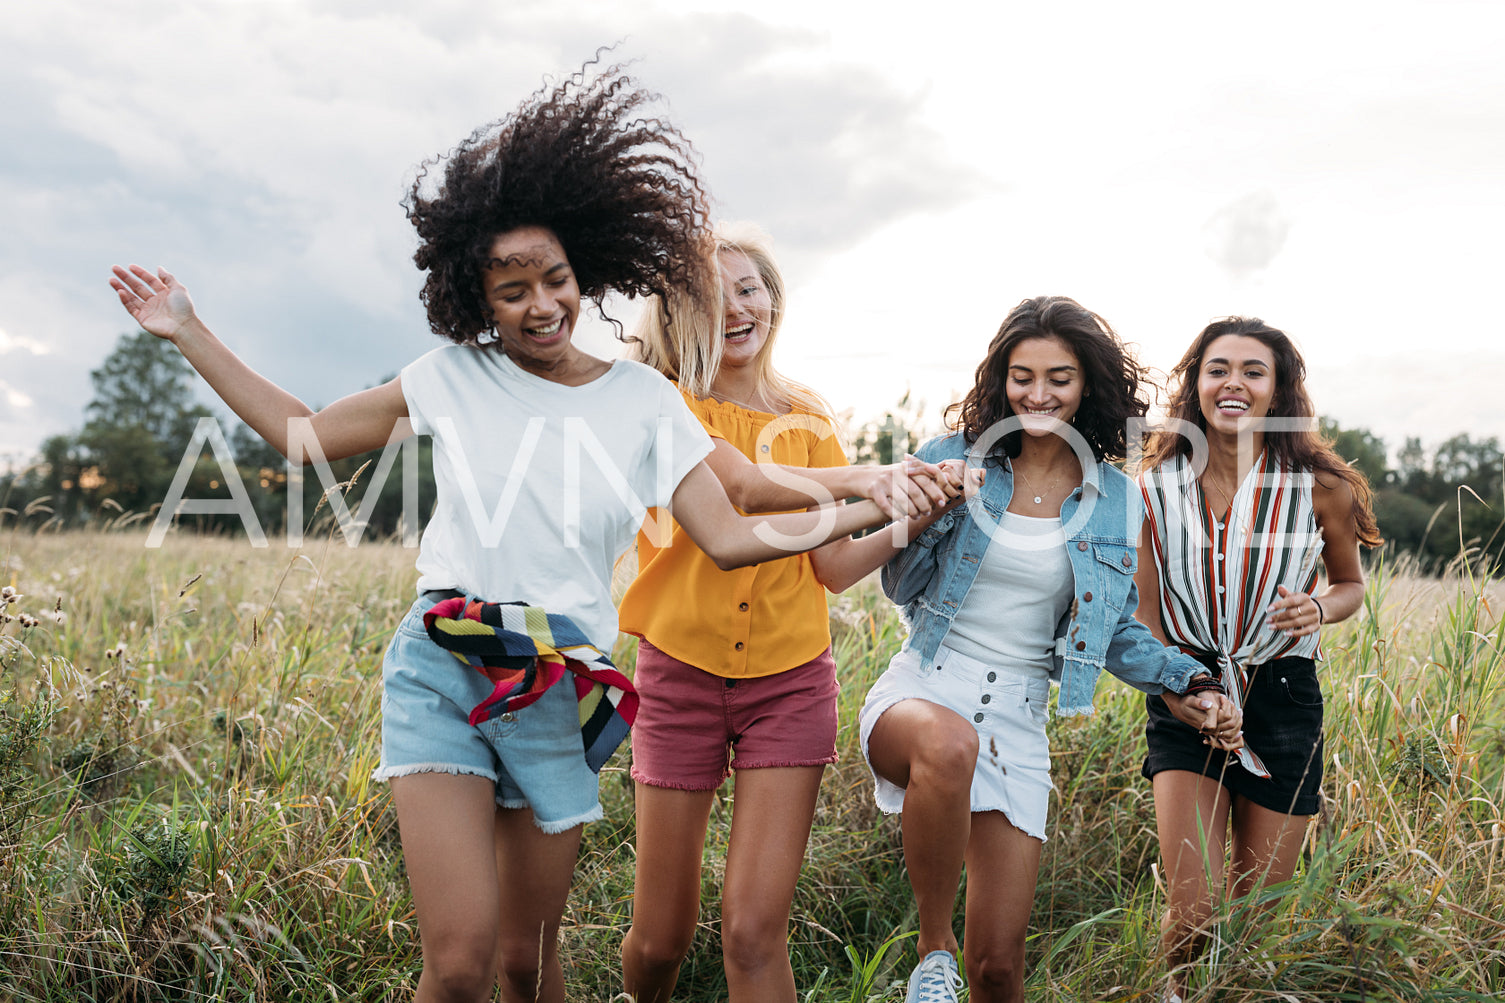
935	979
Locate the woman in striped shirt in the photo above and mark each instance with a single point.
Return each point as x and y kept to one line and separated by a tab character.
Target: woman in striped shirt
1242	499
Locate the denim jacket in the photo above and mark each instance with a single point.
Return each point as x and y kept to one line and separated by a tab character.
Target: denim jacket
930	578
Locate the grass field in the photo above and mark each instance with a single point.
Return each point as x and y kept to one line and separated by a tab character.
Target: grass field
186	737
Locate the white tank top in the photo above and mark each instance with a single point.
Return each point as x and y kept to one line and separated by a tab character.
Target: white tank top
1023	588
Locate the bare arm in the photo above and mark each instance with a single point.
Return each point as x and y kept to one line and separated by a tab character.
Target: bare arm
1147	583
733	540
843	563
1295	612
906	488
354	424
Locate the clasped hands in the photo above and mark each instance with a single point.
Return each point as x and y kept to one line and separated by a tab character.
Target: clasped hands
913	488
1219	720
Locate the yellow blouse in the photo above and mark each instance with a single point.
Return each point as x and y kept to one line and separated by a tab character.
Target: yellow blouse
749	622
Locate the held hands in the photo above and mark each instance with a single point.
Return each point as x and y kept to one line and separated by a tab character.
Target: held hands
1212	714
960	481
1295	613
159	303
913	488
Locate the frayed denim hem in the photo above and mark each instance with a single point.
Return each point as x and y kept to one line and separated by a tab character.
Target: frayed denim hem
889	808
555	826
384	773
675	785
781	764
1010	819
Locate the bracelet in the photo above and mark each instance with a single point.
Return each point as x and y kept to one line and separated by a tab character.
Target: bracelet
1205	684
1321	613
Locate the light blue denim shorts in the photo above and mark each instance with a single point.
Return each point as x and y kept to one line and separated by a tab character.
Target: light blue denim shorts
534	755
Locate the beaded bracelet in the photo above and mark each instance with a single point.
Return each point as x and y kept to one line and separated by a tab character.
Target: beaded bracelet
1205	684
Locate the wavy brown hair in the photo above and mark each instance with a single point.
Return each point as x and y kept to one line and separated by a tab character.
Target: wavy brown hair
583	159
1305	449
1112	393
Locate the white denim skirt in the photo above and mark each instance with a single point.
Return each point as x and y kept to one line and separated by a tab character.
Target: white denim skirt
1007	709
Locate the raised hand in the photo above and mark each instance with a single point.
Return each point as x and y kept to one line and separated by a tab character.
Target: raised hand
159	303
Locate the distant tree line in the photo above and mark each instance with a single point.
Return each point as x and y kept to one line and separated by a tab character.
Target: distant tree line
1438	505
119	467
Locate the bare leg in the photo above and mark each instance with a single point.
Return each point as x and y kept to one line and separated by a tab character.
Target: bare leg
666	892
932	753
1003	864
446	823
770	829
1266	846
1191	814
535	868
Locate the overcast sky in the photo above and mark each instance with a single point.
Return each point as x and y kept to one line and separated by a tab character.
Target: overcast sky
1338	169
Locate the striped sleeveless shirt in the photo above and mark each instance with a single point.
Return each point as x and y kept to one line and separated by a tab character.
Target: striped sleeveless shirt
1217	576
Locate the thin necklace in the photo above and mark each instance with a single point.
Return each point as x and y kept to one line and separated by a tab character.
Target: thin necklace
1039	498
1219	489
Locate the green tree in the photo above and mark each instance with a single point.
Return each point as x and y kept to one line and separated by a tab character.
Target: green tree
1462	460
1363	450
900	430
1413	475
1475	516
139	420
144	383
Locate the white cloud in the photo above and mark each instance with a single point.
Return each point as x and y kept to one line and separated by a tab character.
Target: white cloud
14	398
1244	236
16	343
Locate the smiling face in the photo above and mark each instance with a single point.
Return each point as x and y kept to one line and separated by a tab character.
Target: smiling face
1235	382
1044	384
533	297
748	309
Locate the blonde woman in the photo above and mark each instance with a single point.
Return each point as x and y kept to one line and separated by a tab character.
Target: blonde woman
734	668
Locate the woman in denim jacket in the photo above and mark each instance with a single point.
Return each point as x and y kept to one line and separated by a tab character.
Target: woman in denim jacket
1002	595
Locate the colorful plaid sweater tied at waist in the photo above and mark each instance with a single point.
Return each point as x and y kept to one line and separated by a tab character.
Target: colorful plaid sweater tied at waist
524	650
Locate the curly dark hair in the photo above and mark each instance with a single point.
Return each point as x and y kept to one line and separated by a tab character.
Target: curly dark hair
1112	392
1305	449
579	158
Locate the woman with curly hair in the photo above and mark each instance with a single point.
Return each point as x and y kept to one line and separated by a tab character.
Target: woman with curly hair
1030	582
546	460
734	668
1244	499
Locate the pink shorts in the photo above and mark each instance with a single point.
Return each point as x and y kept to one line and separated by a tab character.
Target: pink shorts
693	728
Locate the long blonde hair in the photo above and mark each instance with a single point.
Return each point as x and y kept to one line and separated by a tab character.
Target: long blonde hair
684	342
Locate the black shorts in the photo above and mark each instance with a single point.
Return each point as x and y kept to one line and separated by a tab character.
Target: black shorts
1282	724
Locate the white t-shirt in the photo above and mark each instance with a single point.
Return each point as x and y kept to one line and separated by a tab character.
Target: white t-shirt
541	486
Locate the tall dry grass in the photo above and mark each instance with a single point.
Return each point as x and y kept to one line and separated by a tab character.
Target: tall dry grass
186	737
